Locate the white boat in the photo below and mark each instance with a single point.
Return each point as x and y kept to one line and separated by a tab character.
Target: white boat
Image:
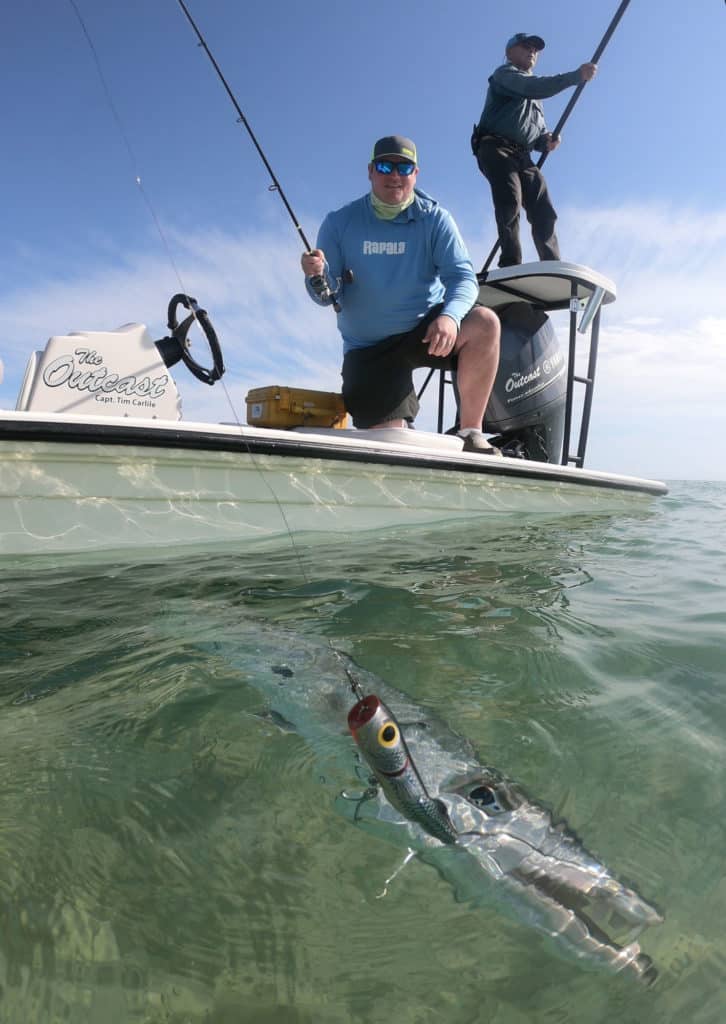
96	457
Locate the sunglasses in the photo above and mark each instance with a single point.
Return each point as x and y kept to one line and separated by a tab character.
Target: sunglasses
388	167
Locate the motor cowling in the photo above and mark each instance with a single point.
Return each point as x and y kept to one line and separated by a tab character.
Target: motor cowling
527	405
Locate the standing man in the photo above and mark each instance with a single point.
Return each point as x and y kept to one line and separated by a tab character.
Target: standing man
395	264
511	125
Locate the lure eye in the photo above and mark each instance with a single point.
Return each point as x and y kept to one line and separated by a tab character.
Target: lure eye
387	734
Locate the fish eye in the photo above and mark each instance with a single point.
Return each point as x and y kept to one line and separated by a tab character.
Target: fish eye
387	734
484	797
481	795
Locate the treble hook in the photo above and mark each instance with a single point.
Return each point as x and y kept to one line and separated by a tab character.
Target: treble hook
409	856
360	798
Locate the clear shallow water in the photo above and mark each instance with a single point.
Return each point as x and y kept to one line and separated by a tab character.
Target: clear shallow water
169	855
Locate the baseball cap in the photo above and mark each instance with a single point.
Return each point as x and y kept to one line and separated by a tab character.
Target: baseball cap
524	37
395	145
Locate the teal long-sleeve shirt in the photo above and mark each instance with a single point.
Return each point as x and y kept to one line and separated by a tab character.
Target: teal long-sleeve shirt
400	268
512	108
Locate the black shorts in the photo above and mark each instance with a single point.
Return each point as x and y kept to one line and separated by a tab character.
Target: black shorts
378	380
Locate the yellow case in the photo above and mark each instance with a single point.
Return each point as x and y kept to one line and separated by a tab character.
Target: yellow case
295	407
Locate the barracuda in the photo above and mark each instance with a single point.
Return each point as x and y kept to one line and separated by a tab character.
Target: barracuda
482	833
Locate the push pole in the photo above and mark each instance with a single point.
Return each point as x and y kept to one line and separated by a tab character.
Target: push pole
573	100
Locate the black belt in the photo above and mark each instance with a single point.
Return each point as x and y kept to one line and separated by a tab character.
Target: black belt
504	142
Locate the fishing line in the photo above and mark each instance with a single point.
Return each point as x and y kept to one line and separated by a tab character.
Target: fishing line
167	248
318	283
129	149
354	684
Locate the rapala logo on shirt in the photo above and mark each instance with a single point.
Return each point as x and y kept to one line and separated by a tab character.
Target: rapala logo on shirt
383	248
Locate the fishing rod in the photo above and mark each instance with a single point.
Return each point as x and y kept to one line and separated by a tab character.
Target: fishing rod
318	282
573	100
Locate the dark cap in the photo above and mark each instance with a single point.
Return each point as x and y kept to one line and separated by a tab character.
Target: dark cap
395	145
524	37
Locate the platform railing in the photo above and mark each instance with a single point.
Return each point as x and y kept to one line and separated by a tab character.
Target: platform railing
590	319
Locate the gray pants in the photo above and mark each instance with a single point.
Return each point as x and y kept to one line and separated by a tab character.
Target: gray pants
517	183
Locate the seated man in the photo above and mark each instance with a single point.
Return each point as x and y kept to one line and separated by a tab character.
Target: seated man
394	263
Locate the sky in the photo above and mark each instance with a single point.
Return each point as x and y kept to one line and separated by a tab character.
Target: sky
118	191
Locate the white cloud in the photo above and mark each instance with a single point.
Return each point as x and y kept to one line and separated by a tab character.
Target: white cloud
661	391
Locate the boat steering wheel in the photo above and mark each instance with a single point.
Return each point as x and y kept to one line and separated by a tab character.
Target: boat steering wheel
179	334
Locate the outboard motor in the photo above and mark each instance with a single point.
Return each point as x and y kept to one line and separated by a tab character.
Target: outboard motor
527	405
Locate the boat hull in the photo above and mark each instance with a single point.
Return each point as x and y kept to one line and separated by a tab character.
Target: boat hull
69	489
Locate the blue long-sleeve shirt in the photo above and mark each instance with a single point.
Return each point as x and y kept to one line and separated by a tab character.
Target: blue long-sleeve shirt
400	268
512	108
